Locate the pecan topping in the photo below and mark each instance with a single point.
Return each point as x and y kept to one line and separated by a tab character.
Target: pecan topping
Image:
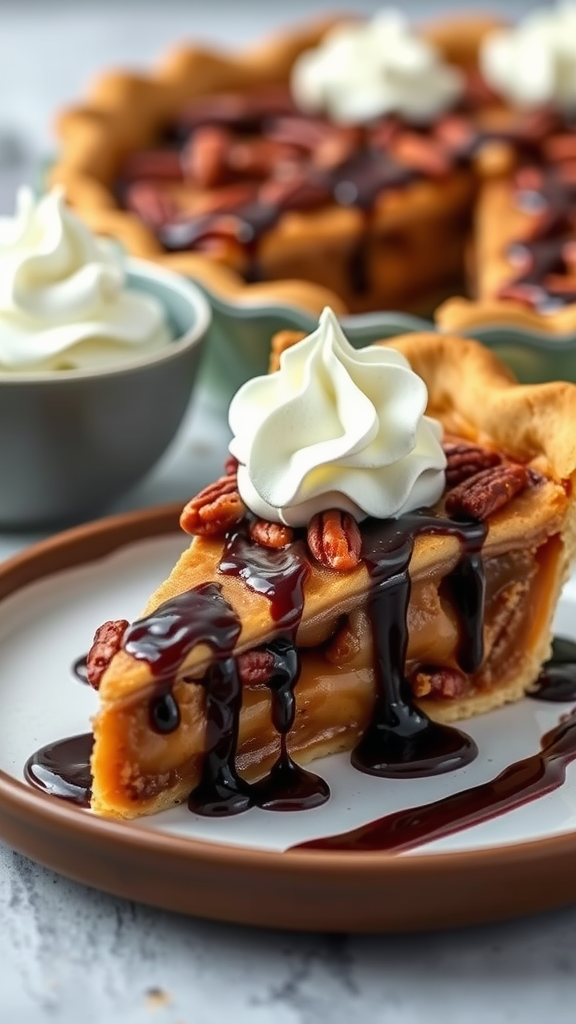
226	199
154	165
230	465
560	147
215	509
423	154
107	642
149	202
334	540
205	158
455	133
464	460
255	667
485	492
270	535
437	682
337	147
260	158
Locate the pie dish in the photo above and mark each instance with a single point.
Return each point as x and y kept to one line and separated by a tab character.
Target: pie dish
196	698
265	200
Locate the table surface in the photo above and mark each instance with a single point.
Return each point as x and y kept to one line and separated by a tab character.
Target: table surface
69	953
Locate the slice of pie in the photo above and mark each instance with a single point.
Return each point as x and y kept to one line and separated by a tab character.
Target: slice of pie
284	634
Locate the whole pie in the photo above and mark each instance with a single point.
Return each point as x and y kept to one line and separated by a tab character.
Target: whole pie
289	631
380	165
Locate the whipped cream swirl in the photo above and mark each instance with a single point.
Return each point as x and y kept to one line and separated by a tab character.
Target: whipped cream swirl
534	63
336	427
63	297
362	70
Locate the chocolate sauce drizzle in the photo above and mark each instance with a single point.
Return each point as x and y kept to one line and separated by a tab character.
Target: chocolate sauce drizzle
279	574
288	787
401	741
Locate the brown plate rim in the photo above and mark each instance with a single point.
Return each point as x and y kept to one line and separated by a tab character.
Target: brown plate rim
24	813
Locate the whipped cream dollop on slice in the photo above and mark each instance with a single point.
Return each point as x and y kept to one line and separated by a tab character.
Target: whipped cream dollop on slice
534	62
365	69
336	427
64	303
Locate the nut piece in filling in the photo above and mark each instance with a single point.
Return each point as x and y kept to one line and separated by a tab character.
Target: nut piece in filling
397	574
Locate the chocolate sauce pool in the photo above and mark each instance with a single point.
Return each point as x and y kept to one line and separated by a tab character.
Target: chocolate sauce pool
63	769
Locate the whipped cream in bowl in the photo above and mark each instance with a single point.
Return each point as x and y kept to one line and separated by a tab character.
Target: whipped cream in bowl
365	69
98	360
336	427
65	301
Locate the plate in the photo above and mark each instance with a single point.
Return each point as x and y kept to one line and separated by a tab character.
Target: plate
54	595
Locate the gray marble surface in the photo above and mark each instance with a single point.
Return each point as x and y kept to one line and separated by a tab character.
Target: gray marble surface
69	953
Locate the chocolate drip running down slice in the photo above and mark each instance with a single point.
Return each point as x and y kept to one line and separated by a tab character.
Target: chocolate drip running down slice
401	741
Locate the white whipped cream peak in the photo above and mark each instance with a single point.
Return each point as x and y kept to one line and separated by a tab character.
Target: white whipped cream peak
336	427
533	63
63	295
365	69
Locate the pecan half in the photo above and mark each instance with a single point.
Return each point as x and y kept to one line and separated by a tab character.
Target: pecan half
106	643
464	460
270	535
150	203
154	165
422	154
258	158
255	667
481	495
215	509
230	465
334	540
455	132
226	199
560	147
337	147
205	157
437	682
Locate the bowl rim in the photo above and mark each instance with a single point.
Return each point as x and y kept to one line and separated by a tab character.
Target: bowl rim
146	270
